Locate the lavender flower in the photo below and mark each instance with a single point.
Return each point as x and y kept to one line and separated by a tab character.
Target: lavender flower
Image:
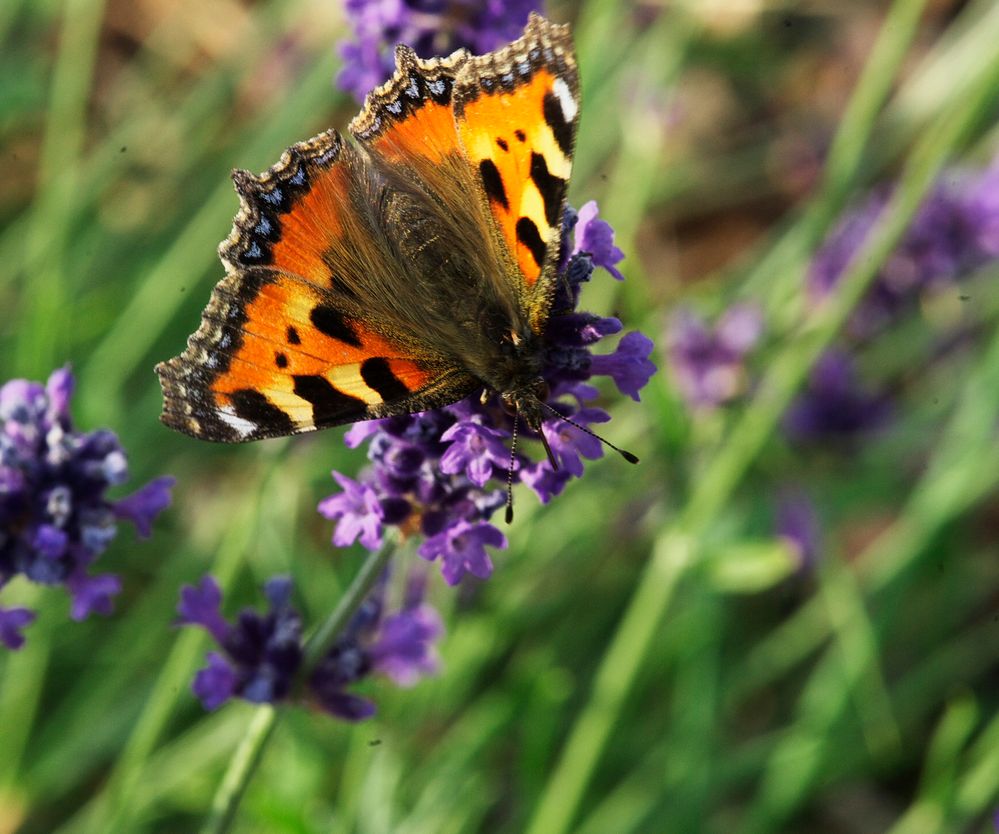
12	622
709	364
797	524
982	210
596	238
834	405
55	519
262	654
430	27
955	231
431	473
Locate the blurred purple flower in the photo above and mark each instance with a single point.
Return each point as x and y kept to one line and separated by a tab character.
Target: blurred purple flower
55	519
834	405
430	27
709	364
797	523
405	649
431	472
12	622
982	209
261	654
955	231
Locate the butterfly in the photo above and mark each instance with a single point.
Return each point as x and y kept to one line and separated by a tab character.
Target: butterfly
402	271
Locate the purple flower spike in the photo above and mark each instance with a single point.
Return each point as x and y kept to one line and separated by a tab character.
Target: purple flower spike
430	27
462	549
629	366
709	364
216	683
12	622
834	405
55	517
797	523
358	512
595	237
202	605
261	653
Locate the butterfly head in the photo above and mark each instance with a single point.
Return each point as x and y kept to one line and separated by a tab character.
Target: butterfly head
526	402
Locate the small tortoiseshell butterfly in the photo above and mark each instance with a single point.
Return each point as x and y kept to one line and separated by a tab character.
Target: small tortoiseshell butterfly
402	273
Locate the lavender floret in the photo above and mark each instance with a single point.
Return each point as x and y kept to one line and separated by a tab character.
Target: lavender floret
430	27
260	655
55	517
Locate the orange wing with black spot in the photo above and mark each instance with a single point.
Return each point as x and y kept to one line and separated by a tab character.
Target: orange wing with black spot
286	343
500	127
516	112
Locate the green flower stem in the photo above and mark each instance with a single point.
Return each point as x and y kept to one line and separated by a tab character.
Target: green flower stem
248	755
241	768
676	550
172	682
322	640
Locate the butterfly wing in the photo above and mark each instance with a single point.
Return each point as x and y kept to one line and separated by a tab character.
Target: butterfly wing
289	341
384	281
516	113
486	145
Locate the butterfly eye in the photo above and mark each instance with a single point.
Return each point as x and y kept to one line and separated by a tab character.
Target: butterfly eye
541	390
509	404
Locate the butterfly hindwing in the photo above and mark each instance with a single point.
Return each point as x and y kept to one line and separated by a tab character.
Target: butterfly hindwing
275	356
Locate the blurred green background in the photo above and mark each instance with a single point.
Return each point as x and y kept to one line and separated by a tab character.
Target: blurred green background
646	657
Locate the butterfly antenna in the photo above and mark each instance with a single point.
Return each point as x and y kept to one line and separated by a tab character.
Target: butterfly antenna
509	471
628	456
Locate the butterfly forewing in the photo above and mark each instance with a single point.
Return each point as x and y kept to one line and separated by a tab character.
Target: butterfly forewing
517	110
287	343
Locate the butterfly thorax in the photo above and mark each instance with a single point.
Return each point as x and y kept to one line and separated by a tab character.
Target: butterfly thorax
517	377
